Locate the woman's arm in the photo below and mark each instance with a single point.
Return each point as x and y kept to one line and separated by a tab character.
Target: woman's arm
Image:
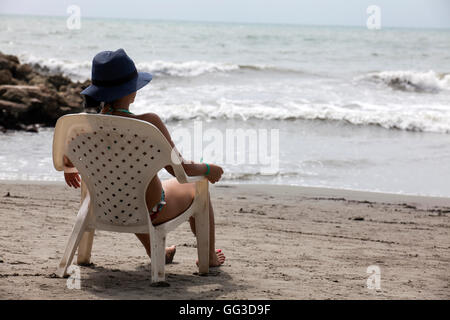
191	168
72	178
67	162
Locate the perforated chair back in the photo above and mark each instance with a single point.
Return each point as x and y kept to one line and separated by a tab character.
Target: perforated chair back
117	157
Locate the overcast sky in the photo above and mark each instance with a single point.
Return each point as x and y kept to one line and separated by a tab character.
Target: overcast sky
394	13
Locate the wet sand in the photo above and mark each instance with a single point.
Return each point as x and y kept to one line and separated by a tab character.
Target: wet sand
281	242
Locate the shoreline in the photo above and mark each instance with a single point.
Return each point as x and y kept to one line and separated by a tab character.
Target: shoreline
350	194
281	242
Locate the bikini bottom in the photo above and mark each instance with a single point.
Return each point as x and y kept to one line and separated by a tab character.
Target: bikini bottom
158	207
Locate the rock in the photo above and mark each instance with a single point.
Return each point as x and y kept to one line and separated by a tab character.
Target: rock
5	76
58	80
10	113
30	127
73	100
8	106
23	72
38	80
30	96
37	105
16	93
11	58
6	62
17	82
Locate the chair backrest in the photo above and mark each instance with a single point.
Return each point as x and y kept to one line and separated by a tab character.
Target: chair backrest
117	157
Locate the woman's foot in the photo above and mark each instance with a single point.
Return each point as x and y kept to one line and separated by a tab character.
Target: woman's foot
170	253
216	260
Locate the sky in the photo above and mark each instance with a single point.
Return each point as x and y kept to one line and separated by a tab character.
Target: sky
394	13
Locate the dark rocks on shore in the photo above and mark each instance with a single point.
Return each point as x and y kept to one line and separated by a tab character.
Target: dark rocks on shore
30	99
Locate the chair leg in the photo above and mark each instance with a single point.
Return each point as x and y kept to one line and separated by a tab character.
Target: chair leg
158	255
202	225
75	237
85	248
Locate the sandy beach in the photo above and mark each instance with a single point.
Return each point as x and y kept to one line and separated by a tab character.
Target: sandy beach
281	242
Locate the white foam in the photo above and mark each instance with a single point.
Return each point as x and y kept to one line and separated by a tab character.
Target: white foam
432	117
76	70
436	118
81	69
185	69
429	81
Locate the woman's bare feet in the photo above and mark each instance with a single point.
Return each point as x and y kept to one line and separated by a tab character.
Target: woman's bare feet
170	253
216	260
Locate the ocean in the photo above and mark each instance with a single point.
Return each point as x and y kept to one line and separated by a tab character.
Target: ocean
354	108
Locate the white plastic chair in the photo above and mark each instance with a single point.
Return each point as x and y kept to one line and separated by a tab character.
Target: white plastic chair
117	157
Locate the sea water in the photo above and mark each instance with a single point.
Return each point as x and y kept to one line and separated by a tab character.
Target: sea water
354	108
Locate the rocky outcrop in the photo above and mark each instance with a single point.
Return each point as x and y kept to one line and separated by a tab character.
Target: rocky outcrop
30	98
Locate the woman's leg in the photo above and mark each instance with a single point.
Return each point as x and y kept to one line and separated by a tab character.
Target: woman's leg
145	240
178	199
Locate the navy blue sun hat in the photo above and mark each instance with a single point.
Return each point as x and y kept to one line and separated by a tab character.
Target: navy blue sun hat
114	75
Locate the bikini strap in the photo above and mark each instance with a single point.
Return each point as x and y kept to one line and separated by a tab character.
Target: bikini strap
111	110
123	110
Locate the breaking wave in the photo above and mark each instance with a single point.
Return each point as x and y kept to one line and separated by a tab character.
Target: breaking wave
81	70
433	117
414	118
429	81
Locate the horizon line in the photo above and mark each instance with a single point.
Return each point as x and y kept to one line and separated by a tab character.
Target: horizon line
226	22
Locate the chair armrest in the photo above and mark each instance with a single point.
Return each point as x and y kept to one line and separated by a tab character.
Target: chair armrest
195	178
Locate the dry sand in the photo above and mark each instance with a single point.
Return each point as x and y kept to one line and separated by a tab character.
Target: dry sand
281	243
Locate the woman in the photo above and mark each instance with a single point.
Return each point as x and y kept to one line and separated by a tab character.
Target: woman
115	81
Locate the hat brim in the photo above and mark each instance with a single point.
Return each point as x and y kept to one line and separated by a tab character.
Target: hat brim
108	94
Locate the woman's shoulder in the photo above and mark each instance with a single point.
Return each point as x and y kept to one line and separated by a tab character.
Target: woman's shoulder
152	118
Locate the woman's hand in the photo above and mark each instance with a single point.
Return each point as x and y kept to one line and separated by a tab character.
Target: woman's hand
72	179
215	173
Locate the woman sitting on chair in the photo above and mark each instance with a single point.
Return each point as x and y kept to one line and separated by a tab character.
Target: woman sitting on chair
115	81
